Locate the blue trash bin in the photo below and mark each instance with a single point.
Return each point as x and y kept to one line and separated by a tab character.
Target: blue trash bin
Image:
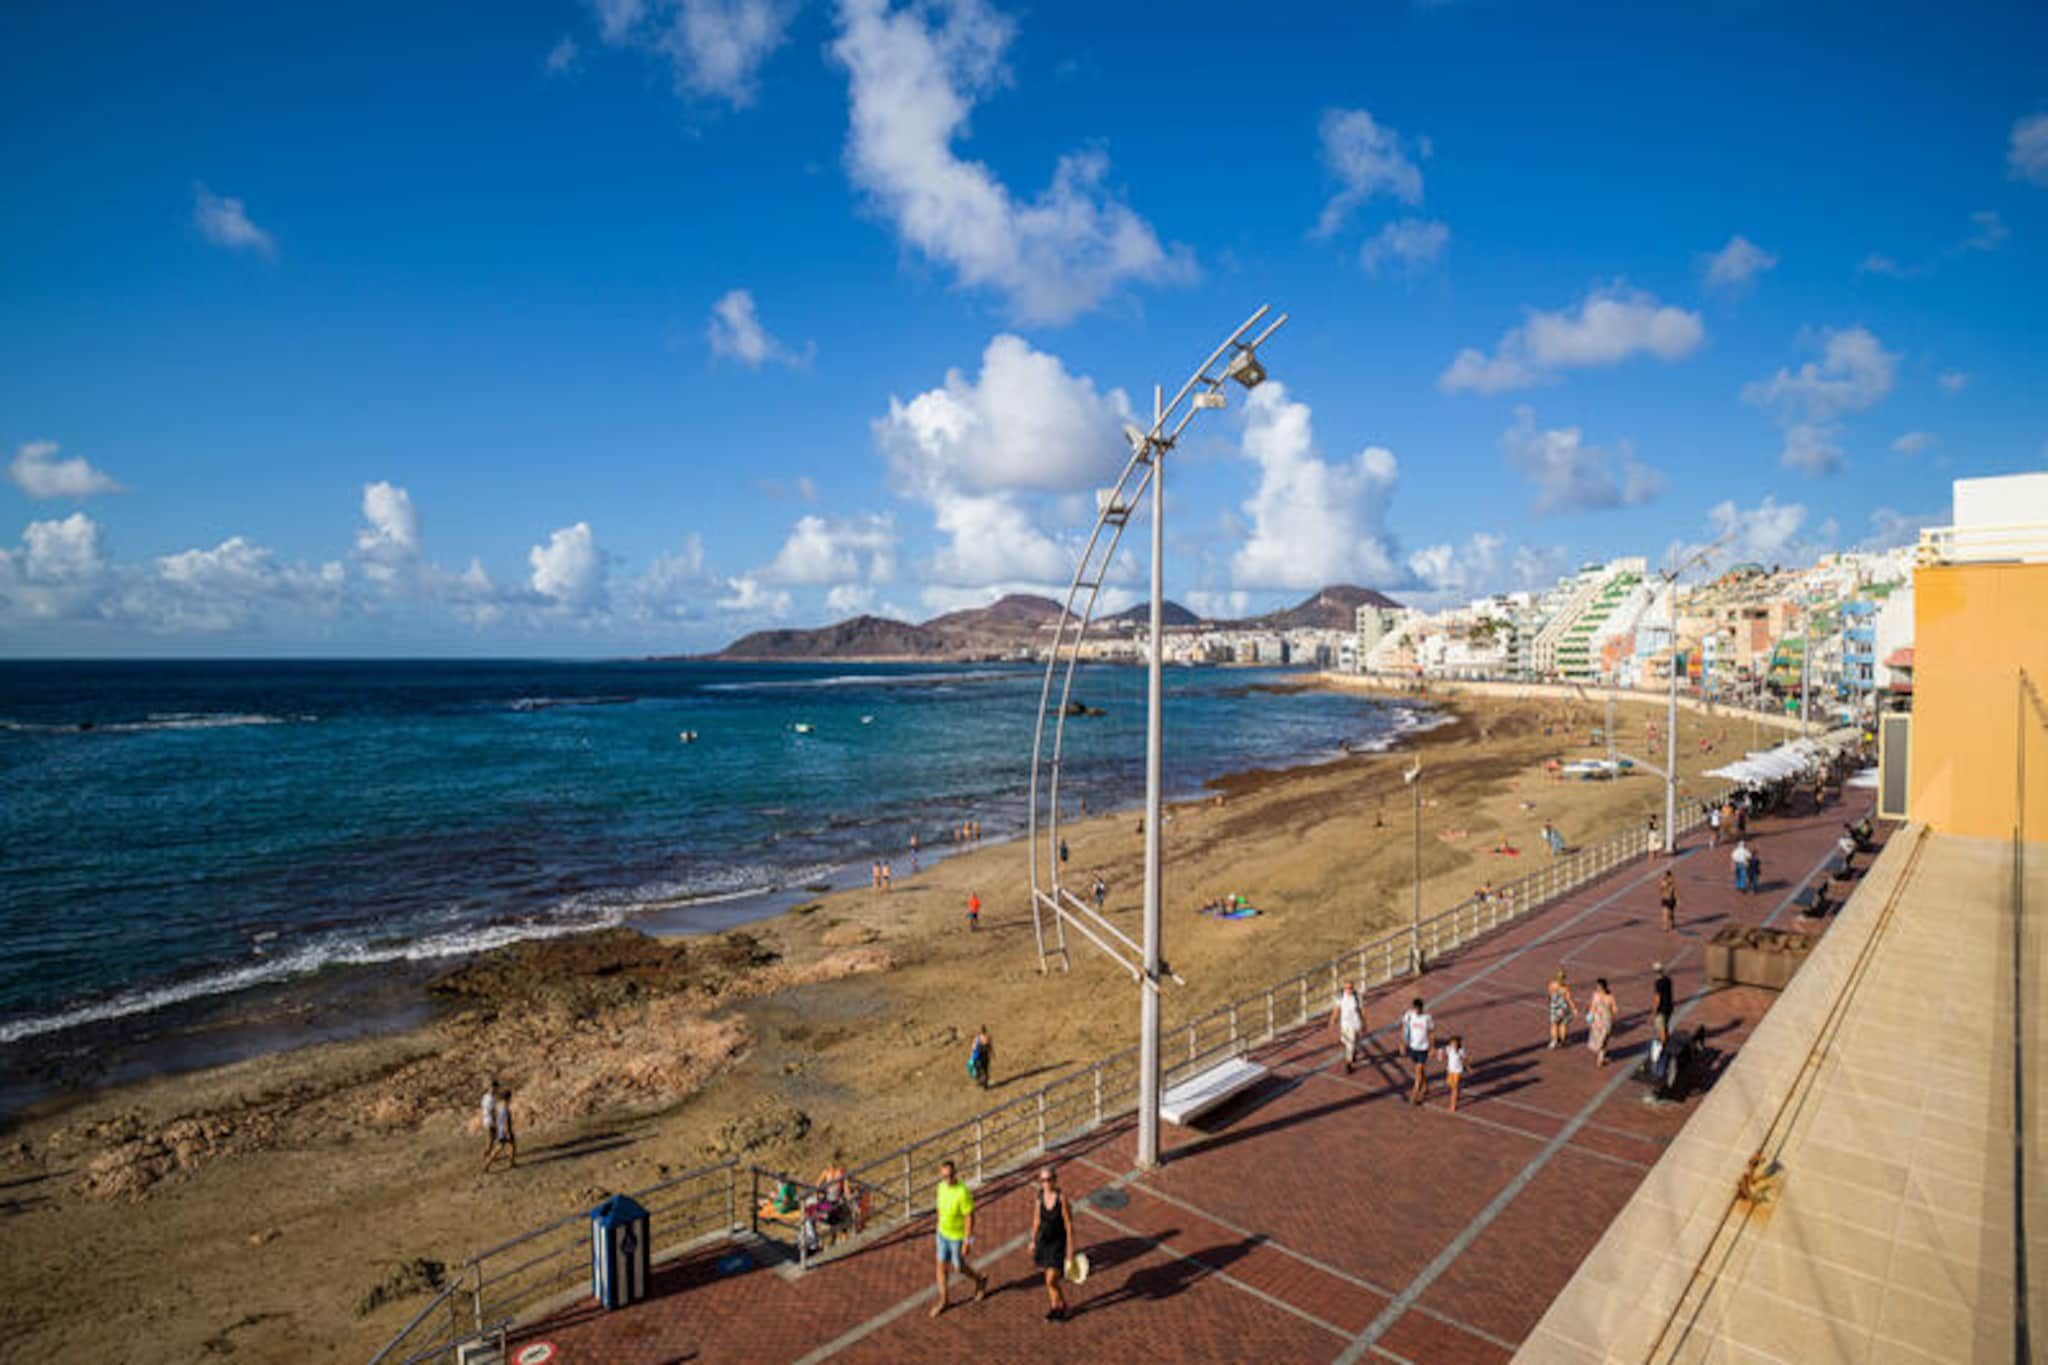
620	1257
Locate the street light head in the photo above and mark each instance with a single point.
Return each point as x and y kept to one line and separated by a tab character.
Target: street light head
1245	368
1410	774
1210	398
1138	438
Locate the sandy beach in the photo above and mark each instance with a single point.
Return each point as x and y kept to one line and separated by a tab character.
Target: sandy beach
267	1210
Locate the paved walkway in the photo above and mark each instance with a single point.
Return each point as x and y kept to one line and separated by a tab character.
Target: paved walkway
1320	1216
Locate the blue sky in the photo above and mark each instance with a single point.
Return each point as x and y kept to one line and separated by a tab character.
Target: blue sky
594	329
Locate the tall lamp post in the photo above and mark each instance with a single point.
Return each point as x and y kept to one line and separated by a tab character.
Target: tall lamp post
1670	577
1236	360
1413	777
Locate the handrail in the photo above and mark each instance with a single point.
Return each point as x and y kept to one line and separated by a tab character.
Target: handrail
999	1140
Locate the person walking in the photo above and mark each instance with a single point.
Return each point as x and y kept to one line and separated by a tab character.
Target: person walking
1756	872
1660	1016
1714	827
955	1233
974	912
490	1116
1740	858
1667	898
1651	847
1418	1030
1562	1008
1052	1236
1454	1067
1347	1016
501	1131
1600	1020
1101	893
981	1058
888	874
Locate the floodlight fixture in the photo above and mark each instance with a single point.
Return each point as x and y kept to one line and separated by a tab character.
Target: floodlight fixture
1211	398
1245	368
1137	437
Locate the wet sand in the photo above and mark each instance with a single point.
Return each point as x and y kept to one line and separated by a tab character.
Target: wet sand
249	1209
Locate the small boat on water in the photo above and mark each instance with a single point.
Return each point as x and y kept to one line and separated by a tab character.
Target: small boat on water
687	736
867	720
802	727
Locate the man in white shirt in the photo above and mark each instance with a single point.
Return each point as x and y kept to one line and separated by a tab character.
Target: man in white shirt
1741	858
490	1116
1348	1018
1418	1034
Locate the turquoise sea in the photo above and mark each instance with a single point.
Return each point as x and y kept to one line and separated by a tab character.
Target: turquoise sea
173	832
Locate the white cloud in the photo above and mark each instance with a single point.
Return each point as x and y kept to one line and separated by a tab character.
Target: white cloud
746	595
914	81
1890	529
62	551
975	450
388	542
1991	232
714	48
569	571
1570	475
1767	533
1875	264
1612	324
228	586
37	472
561	58
821	551
1952	381
1212	605
1313	523
1737	263
224	222
850	599
2026	156
1366	158
736	332
1854	374
1913	443
1409	244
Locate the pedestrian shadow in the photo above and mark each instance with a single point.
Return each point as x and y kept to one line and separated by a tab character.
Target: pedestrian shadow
1153	1283
585	1144
1009	1081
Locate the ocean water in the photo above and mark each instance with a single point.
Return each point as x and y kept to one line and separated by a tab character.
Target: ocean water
176	831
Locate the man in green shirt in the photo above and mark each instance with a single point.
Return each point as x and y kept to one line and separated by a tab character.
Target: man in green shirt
956	1234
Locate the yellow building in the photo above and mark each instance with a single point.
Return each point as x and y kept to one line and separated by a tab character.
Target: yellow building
1979	748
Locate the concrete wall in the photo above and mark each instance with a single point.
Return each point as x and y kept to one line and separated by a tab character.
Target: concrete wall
1975	627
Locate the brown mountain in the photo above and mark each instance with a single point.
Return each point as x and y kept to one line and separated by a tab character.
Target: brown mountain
1017	624
1005	626
1171	613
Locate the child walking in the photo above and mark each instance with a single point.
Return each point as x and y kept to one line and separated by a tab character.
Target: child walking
1454	1066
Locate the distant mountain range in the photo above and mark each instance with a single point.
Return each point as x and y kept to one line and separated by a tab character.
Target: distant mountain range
1017	624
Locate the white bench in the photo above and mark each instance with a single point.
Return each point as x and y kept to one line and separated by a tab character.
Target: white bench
1198	1094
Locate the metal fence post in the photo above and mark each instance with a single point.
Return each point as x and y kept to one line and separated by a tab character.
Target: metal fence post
1097	1069
906	1185
1041	1121
732	1195
1304	1000
977	1149
1233	1025
1270	1029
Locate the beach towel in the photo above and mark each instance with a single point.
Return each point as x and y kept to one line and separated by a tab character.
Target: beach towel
1232	912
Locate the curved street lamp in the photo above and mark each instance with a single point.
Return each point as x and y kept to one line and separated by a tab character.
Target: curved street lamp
1053	906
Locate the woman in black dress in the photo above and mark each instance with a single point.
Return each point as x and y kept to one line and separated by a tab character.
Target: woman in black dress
1051	1232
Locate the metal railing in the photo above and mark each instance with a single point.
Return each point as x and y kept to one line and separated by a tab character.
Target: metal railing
548	1267
518	1279
2026	543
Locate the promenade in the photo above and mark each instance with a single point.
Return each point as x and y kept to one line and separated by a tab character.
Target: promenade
1320	1216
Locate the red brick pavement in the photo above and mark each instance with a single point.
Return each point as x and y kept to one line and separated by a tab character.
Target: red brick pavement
1319	1217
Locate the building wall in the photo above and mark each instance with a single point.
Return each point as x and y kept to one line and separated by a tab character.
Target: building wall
1975	627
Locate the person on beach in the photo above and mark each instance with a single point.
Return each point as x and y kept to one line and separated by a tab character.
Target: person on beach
974	912
1454	1067
1667	897
1600	1020
1756	872
955	1207
875	874
1660	1016
1101	893
1052	1236
1063	850
1740	859
1562	1008
981	1057
888	874
501	1131
1651	844
1418	1030
1347	1016
490	1116
1714	828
